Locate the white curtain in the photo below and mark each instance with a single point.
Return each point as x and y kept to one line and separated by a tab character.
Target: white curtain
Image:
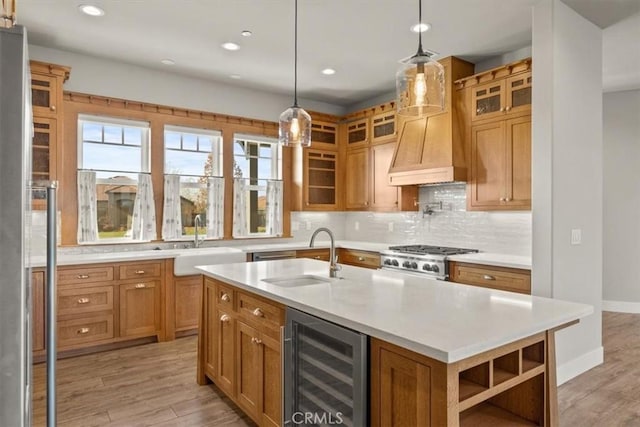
274	207
239	207
215	207
172	213
87	207
144	210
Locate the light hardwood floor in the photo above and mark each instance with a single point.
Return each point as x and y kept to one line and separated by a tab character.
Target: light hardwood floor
154	385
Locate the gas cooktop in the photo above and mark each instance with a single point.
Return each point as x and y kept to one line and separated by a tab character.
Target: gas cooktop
428	261
430	250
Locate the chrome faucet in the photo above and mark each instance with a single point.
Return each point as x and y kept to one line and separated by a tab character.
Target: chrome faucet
333	260
197	222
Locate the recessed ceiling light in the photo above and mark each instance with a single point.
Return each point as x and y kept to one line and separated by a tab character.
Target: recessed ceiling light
168	61
91	10
246	33
230	46
328	71
235	76
421	28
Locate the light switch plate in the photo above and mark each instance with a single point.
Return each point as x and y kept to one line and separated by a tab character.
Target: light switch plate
357	225
576	236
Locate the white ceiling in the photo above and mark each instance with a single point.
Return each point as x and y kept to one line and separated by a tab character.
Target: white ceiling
361	39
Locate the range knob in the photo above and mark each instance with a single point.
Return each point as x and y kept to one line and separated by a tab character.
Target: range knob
426	267
406	264
387	261
435	269
414	265
394	263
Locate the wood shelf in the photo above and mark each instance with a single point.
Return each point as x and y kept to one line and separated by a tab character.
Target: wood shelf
469	389
501	375
488	415
528	365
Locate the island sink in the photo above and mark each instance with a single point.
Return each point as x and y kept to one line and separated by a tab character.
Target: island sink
297	281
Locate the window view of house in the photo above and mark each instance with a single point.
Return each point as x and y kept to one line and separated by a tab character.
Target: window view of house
192	157
117	151
257	166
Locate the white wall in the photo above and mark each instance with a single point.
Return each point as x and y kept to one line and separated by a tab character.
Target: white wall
496	61
567	174
98	76
621	134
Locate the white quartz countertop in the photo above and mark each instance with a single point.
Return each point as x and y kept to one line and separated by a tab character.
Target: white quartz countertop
442	320
499	260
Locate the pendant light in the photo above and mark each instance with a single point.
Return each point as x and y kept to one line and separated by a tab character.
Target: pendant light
420	82
295	123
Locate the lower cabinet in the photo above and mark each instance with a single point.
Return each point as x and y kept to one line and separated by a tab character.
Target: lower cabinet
139	308
502	278
321	254
37	312
240	350
188	291
357	258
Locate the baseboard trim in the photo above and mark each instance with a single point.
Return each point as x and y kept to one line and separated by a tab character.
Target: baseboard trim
580	364
621	306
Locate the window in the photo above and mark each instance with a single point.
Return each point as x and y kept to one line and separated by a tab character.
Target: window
191	158
113	153
257	172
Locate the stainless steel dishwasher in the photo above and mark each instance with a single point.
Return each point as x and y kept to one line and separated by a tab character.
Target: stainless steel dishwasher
273	255
325	373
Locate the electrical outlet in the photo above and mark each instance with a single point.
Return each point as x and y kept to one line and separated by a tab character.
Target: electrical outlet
308	225
576	236
356	225
390	227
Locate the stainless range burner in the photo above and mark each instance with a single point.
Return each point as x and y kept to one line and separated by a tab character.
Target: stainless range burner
430	261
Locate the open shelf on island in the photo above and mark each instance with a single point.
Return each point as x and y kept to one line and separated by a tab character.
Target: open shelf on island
532	356
473	381
487	415
506	367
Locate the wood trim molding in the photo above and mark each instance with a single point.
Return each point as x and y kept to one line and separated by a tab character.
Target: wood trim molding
495	73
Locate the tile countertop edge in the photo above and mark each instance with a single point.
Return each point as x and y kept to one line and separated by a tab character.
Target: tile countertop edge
443	355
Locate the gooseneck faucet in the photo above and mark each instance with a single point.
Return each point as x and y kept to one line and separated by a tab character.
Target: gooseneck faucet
333	266
196	239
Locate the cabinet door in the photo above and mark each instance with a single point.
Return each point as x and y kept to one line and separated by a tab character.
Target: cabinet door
357	179
37	310
358	133
44	94
324	135
320	254
271	393
383	127
384	196
188	292
404	393
210	324
320	178
488	100
225	351
518	181
518	94
139	308
249	369
488	165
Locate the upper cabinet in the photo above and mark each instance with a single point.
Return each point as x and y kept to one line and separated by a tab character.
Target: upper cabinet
383	127
358	133
499	137
46	101
324	135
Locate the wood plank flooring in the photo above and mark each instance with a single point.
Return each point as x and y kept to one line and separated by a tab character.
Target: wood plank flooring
154	385
609	394
148	385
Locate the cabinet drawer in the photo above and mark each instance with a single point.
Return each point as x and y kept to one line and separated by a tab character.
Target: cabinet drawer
260	313
224	297
359	258
507	279
85	330
321	254
140	271
74	276
85	300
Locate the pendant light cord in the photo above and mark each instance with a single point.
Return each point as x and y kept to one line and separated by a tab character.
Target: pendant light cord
295	57
420	51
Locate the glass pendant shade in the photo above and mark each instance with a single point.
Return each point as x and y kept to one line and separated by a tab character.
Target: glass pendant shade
420	86
295	127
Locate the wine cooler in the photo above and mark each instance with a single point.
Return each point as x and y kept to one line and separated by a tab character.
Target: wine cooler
325	373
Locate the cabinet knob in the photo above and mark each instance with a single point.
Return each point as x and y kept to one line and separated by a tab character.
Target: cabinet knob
316	257
255	340
503	199
225	318
225	297
83	300
82	331
53	108
360	258
488	277
507	199
139	271
141	285
507	108
257	312
502	109
82	276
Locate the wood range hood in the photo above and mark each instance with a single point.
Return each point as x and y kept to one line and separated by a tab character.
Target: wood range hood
431	149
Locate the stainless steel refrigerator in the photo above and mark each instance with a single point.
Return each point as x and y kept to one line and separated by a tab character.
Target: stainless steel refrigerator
16	133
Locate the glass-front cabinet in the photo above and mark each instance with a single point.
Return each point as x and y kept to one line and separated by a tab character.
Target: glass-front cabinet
497	98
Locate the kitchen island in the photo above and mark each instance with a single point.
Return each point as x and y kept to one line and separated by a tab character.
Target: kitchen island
440	353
